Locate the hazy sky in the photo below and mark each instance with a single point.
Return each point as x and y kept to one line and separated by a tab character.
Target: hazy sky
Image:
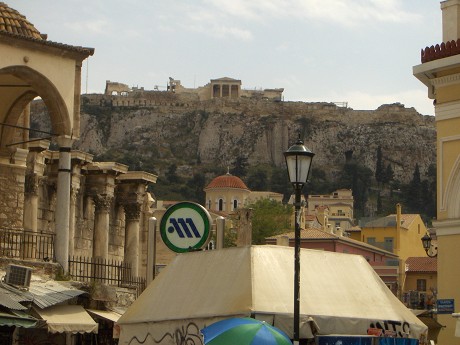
356	51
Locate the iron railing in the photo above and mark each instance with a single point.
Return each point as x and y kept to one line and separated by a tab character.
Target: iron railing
110	272
18	244
29	245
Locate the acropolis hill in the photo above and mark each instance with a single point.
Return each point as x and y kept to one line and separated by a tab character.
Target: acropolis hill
214	124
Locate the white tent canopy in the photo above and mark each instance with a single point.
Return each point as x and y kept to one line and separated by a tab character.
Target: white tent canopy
68	318
339	294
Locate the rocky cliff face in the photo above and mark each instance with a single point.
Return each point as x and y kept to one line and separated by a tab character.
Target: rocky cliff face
218	131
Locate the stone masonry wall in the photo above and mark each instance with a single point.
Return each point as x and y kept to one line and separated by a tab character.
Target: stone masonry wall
12	201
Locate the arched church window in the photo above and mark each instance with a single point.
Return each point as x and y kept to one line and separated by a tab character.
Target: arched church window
221	204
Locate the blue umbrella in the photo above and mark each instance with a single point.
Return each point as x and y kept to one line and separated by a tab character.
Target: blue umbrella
243	331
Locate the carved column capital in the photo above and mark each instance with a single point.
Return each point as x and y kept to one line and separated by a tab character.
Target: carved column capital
132	211
31	184
102	202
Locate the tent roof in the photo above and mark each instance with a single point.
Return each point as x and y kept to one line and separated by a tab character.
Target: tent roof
68	318
259	280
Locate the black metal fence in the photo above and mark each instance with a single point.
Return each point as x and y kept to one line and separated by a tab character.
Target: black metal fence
18	244
110	272
23	245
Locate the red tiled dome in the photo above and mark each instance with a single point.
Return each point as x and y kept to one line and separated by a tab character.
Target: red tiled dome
15	23
227	181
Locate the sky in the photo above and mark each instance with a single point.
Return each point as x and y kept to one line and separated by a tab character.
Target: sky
355	51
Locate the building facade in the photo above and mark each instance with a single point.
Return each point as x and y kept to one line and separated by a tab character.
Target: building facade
439	71
340	208
399	234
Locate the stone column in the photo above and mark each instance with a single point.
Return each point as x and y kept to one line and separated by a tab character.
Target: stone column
31	202
35	170
132	214
133	196
244	230
151	251
63	203
101	226
73	203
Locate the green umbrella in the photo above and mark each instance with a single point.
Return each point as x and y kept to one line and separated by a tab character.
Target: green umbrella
243	331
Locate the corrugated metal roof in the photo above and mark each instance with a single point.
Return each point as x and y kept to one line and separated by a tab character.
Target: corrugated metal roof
47	294
11	298
43	294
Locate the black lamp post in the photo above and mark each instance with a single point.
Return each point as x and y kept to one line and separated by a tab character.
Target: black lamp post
426	241
298	162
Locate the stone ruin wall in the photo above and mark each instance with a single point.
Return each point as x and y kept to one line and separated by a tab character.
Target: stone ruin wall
12	180
13	192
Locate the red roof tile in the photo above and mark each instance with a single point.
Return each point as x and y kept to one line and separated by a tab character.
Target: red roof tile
14	22
227	181
421	264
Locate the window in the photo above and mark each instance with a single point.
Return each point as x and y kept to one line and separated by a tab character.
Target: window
421	284
371	240
209	204
235	204
388	246
221	205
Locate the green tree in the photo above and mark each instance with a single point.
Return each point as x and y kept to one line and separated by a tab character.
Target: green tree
269	218
357	178
414	192
389	174
240	167
279	182
171	174
379	167
318	182
257	180
194	188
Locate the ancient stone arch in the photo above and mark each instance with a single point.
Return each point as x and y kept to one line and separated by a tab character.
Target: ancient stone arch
37	85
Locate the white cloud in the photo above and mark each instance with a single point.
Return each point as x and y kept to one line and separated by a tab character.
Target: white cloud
91	26
343	12
238	18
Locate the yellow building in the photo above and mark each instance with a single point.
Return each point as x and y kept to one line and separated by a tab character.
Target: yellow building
440	72
397	233
339	205
420	285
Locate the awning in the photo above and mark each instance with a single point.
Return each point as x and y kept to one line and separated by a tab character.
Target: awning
105	314
68	318
18	319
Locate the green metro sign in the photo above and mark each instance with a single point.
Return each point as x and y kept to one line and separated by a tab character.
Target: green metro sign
185	226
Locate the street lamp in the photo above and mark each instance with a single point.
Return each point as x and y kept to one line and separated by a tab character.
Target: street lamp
298	162
428	246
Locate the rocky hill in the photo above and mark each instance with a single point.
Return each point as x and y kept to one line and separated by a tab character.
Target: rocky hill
216	132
